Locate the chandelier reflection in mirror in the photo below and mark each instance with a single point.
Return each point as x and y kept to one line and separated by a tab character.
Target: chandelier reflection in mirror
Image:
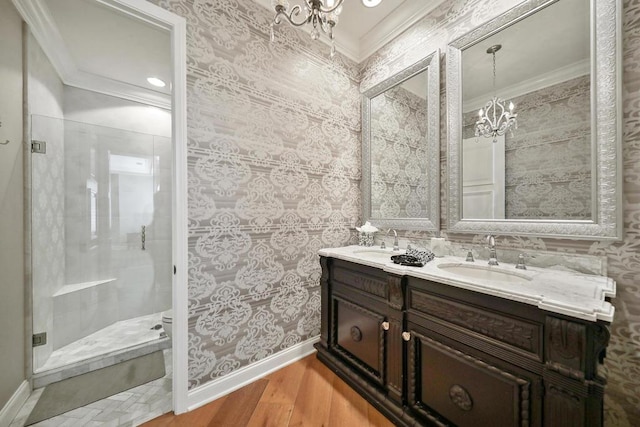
494	120
321	14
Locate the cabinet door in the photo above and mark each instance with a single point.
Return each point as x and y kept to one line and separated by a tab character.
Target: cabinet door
358	337
452	387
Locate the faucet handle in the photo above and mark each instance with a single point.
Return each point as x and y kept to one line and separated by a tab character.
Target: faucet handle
383	245
469	255
521	257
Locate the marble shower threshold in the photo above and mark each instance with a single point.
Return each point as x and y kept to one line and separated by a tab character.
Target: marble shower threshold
116	343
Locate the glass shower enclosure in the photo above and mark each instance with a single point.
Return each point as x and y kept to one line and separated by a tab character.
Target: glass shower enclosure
101	240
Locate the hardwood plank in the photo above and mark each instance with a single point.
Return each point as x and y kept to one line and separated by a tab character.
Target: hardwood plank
196	418
347	407
284	384
313	404
305	393
376	419
239	405
271	415
162	421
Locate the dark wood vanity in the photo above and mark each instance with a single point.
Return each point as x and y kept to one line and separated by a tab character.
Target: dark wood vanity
427	353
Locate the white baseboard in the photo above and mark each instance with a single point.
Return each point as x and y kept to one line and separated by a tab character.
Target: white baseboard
11	409
243	376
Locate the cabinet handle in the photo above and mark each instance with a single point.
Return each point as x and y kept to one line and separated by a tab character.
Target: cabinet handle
385	326
406	336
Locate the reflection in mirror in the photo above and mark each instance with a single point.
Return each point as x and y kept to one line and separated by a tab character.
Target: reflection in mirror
398	149
545	164
401	149
558	172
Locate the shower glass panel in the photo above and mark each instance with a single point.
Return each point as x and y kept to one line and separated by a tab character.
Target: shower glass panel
101	239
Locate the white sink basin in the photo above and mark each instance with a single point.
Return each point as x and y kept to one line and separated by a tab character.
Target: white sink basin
484	273
377	254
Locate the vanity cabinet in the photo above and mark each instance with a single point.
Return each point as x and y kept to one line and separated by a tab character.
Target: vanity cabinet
428	353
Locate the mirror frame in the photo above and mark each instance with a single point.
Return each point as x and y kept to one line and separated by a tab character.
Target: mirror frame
431	64
606	122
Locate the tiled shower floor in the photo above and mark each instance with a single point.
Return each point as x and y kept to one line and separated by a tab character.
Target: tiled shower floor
114	338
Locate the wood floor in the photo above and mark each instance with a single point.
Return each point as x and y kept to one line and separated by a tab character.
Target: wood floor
305	393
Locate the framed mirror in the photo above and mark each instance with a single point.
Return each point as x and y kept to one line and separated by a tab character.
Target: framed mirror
401	149
534	122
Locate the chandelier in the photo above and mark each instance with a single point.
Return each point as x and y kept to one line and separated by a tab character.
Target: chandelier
321	14
494	119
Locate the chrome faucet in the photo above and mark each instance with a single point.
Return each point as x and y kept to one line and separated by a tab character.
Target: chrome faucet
396	246
491	241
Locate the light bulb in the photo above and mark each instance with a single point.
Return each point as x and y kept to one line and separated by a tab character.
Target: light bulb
511	107
156	82
371	3
481	113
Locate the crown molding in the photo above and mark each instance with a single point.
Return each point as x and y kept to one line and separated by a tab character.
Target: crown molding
37	15
554	77
394	24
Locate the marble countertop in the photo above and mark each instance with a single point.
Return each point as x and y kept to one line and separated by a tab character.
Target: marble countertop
572	294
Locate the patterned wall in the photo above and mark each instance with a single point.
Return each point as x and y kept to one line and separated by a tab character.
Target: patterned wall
274	167
548	158
452	19
274	171
398	150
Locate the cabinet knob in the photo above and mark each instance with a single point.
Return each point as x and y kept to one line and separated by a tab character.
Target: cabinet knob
356	334
406	336
385	326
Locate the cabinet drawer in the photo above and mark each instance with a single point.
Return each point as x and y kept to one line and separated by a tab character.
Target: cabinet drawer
516	335
358	336
463	389
359	277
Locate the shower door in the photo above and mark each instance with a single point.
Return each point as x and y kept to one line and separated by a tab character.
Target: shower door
101	230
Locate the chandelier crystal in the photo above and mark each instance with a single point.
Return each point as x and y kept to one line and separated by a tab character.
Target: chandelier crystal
494	119
321	14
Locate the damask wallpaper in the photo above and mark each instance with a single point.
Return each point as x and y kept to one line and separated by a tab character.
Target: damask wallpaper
452	19
548	158
274	171
398	153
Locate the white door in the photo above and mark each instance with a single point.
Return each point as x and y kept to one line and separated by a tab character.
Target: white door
483	178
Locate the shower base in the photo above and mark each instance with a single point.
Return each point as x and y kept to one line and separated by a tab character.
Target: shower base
116	343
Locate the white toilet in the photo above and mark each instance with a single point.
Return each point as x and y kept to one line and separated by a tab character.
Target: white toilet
167	322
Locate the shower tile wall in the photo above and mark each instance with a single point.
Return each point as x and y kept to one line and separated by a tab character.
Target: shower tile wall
274	170
144	278
450	20
47	214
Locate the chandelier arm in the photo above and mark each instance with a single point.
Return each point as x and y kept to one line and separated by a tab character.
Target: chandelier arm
295	11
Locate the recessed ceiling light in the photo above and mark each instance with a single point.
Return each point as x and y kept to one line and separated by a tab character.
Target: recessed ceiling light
156	81
371	3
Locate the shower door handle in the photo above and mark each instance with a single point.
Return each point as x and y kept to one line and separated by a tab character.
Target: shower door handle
143	236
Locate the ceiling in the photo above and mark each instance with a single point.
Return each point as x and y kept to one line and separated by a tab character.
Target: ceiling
89	44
